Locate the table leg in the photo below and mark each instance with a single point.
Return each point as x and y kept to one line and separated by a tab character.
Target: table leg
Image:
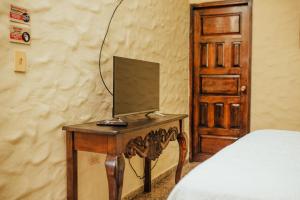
115	165
72	190
181	138
147	171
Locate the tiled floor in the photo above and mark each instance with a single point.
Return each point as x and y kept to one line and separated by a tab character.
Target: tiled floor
161	190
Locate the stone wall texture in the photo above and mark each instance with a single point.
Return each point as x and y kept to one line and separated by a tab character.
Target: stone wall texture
275	93
62	86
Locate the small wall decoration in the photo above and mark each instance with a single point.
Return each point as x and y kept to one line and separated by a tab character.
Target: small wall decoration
19	34
18	14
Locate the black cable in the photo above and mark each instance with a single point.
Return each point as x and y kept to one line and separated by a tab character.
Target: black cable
136	174
100	53
99	64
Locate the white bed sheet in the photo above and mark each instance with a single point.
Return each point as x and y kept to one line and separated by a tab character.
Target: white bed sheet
263	165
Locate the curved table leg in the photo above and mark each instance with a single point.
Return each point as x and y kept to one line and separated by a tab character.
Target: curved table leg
115	172
181	138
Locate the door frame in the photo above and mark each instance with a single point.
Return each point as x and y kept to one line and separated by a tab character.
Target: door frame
191	61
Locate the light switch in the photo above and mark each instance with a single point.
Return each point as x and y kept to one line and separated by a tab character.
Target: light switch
20	61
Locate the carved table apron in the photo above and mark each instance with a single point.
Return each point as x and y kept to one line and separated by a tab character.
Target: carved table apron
128	141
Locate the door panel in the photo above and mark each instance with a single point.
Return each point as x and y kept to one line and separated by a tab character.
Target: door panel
220	72
219	85
220	24
211	144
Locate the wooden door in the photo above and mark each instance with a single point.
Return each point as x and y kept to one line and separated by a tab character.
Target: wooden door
220	75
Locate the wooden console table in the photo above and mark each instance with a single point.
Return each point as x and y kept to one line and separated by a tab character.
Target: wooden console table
144	137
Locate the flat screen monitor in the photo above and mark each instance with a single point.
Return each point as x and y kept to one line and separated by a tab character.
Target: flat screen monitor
135	86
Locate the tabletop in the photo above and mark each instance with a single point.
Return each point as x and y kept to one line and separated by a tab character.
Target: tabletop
134	123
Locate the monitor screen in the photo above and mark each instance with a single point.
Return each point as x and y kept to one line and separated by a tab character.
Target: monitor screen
136	86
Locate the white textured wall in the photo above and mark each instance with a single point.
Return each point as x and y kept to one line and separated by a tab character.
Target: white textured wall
275	64
62	86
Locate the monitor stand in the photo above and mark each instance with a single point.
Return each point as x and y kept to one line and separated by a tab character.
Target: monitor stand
155	113
112	122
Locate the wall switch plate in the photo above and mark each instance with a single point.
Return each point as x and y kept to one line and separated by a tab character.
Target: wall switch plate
20	61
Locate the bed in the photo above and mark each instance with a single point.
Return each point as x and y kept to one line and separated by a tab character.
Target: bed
263	165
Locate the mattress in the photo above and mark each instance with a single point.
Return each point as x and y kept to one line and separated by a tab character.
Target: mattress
263	165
